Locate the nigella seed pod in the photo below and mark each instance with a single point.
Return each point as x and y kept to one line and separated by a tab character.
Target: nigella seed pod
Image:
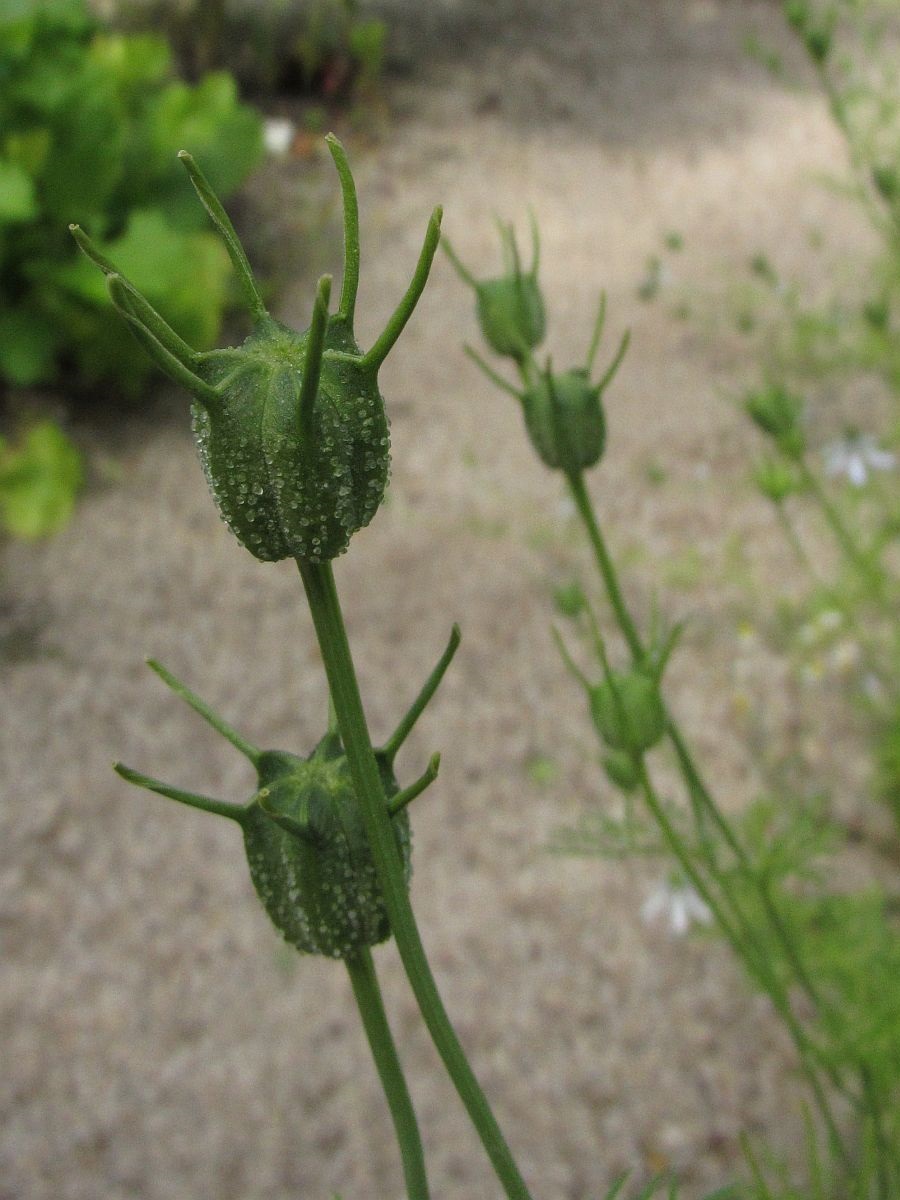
779	414
510	307
563	410
886	181
304	837
622	770
291	427
628	711
308	854
565	419
627	706
776	479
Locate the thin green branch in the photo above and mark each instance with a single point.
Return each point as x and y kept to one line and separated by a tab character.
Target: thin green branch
318	581
367	992
415	710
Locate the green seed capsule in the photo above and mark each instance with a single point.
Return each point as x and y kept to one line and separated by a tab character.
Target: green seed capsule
779	414
308	854
776	480
510	308
628	711
563	411
887	182
304	835
565	420
291	427
622	770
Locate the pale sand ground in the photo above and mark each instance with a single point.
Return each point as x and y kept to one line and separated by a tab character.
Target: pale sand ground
159	1042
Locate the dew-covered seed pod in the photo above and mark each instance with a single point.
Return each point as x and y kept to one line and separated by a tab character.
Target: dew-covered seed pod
628	711
291	427
510	307
308	853
304	835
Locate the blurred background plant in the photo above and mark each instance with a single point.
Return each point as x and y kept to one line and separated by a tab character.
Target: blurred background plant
40	477
91	122
327	50
827	958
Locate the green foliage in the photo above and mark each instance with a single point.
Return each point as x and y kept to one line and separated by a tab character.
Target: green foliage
90	123
887	759
39	480
339	50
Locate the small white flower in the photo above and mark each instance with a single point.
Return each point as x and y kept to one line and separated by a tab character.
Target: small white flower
677	903
855	455
278	134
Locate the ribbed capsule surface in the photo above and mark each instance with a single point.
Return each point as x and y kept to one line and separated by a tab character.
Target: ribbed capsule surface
285	488
510	312
565	421
318	881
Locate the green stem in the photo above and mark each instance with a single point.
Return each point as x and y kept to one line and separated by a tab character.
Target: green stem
689	770
318	580
703	802
361	970
862	562
793	539
770	983
604	562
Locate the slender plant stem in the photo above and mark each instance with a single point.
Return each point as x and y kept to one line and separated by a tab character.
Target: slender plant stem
704	801
688	767
793	539
318	580
582	500
861	561
768	980
361	969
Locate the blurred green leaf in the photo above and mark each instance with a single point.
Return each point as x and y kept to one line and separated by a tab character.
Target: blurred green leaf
27	346
17	198
39	481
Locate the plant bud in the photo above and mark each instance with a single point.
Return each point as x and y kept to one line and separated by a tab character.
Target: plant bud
510	308
887	182
628	711
778	414
797	14
776	480
291	427
818	43
304	834
308	853
565	420
622	770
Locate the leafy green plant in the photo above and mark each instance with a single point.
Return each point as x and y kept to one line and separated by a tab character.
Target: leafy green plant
89	124
40	477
